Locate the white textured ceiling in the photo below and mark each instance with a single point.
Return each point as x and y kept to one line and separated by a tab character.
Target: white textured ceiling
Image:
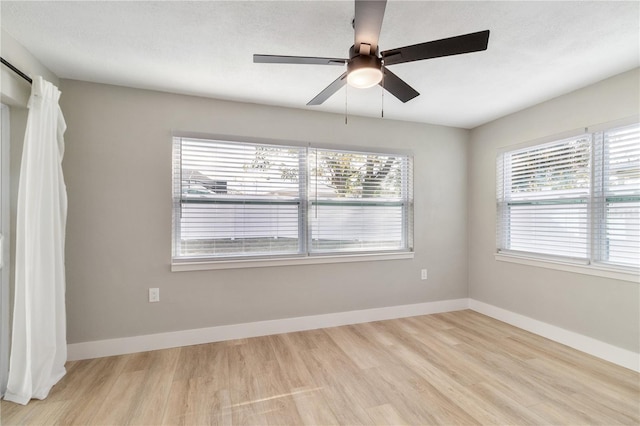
537	50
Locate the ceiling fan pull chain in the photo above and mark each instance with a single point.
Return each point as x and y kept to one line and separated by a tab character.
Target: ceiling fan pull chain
382	106
346	88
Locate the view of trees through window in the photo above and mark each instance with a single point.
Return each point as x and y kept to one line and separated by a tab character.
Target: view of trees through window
551	168
358	175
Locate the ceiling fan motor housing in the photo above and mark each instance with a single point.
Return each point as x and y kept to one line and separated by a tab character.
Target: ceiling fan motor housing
363	64
364	61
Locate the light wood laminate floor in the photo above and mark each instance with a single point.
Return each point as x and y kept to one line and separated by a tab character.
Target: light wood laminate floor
451	368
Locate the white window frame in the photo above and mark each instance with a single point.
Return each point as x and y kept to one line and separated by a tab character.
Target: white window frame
307	257
593	264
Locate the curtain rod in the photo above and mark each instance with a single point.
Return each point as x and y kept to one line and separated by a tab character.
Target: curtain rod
16	70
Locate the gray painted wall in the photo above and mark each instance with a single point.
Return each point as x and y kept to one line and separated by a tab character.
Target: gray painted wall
601	308
118	171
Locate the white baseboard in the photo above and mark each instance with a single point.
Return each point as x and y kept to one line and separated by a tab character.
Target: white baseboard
149	342
606	351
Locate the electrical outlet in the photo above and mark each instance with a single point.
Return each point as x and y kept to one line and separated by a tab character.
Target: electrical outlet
154	295
423	274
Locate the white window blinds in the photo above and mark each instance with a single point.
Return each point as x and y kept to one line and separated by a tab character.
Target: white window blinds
617	196
543	194
359	201
575	198
239	200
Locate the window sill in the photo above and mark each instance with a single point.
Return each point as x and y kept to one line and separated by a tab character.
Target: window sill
292	261
596	270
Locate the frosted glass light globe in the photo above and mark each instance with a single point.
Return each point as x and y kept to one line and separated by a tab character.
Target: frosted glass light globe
363	78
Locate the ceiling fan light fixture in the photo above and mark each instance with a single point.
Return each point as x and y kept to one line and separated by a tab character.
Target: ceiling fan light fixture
364	71
363	78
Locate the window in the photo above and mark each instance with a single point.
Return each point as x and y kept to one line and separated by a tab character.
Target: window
575	199
237	200
617	196
359	201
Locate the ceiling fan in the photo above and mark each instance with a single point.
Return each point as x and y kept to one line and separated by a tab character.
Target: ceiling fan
367	67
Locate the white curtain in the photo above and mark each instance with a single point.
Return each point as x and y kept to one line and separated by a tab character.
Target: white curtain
38	345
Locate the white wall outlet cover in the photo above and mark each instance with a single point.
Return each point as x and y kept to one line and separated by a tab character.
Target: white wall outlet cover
154	295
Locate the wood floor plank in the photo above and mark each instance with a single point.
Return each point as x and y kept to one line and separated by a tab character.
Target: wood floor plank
441	357
386	414
450	368
453	390
121	402
619	412
42	413
571	358
354	346
242	386
204	361
158	379
562	413
335	376
197	401
440	406
180	404
377	334
503	401
312	407
93	386
290	364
